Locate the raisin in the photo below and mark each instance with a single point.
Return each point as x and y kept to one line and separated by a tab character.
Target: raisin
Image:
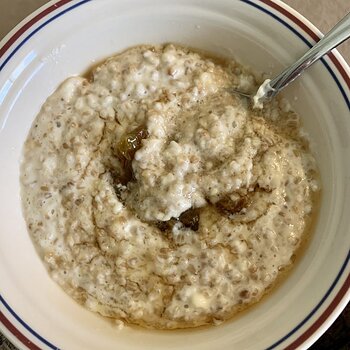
165	226
190	219
126	148
231	207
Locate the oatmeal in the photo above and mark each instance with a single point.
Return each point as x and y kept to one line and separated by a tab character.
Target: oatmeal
156	197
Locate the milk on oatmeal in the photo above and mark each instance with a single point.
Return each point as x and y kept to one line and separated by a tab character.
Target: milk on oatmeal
156	197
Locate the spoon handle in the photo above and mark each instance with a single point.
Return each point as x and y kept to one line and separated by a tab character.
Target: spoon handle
339	33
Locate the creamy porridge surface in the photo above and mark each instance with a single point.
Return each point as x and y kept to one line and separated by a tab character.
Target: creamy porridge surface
156	197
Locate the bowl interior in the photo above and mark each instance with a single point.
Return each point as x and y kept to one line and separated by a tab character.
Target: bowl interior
95	30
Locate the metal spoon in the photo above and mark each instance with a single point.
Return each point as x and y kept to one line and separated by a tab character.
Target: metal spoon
270	88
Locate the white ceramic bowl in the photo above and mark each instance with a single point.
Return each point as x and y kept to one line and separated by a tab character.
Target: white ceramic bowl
64	38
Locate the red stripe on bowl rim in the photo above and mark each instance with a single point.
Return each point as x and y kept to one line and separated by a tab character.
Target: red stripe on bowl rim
323	318
23	339
311	33
346	286
30	23
346	77
3	49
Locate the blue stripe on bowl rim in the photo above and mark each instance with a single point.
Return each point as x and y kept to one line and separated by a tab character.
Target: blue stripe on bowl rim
347	101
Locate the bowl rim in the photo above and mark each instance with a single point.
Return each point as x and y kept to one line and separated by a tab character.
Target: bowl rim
302	28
